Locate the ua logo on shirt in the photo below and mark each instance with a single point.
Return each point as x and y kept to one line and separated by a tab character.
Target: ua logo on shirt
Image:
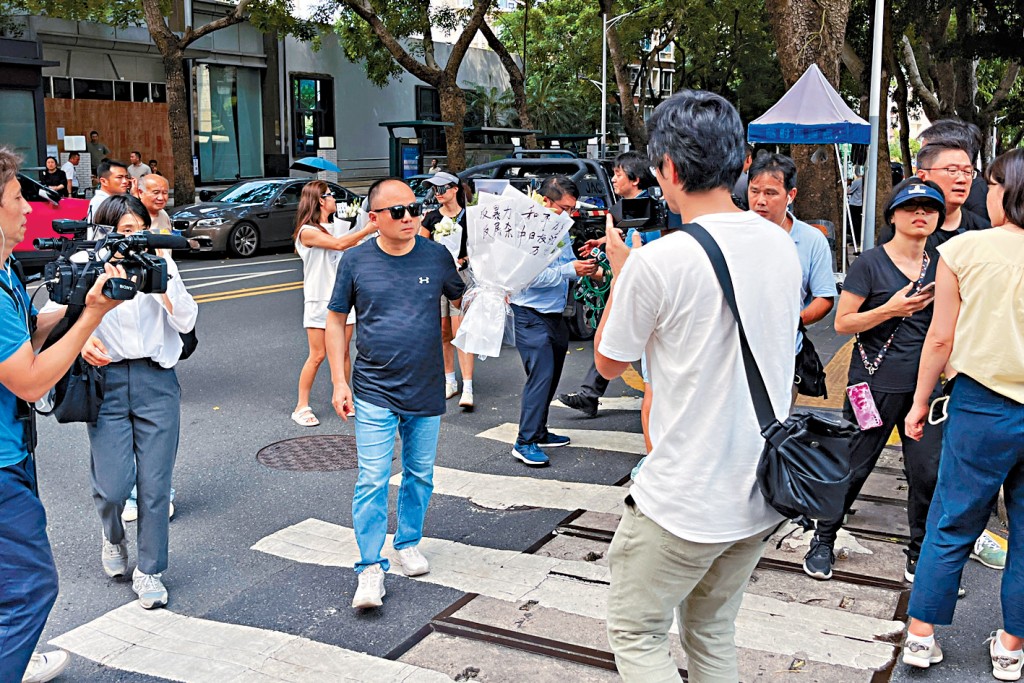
424	280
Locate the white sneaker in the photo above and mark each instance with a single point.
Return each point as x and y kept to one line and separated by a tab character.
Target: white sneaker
370	591
413	562
114	558
917	654
45	666
466	402
450	389
131	511
150	589
1004	667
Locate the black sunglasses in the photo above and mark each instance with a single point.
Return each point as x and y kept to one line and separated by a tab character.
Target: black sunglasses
441	189
398	212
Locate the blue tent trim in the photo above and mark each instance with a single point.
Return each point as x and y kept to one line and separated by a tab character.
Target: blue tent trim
795	134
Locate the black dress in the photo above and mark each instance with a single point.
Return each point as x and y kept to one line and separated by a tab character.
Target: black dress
54	179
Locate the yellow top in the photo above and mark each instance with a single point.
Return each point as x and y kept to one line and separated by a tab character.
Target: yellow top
988	345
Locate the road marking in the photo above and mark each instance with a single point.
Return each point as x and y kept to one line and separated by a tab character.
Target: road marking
581	588
251	291
624	442
220	280
500	492
167	645
611	403
239	265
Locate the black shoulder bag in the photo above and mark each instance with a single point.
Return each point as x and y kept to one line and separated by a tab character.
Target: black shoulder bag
809	377
804	470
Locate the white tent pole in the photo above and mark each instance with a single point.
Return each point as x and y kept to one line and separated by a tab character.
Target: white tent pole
874	104
842	180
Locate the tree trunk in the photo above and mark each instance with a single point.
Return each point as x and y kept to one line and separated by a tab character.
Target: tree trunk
517	81
181	135
902	106
453	109
632	120
812	32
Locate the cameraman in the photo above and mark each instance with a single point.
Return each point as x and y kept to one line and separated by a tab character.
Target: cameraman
631	179
28	577
134	441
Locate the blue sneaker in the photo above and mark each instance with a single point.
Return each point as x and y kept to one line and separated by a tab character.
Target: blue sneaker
553	441
530	454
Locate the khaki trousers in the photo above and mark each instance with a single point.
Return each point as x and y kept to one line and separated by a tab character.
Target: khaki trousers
656	575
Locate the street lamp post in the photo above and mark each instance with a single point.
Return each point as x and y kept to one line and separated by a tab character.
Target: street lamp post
606	23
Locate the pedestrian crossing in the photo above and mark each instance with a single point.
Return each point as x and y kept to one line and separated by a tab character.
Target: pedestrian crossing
174	646
182	648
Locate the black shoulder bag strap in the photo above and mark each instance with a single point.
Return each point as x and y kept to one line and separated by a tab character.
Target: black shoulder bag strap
755	382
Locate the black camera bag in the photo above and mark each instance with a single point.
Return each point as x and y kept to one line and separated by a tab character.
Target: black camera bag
809	376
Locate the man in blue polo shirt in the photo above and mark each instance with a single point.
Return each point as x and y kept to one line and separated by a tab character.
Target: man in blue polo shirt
28	577
771	190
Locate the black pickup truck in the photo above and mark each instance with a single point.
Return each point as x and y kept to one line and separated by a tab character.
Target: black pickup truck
596	198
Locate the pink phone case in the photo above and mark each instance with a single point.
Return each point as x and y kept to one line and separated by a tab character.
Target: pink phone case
863	404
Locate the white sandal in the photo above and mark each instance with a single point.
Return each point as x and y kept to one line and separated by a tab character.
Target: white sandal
304	417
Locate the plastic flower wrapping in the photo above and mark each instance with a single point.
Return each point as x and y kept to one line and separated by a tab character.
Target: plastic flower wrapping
511	240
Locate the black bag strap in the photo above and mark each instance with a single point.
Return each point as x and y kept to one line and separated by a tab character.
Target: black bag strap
755	382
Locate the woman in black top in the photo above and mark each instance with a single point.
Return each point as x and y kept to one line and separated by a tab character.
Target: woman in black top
887	302
448	191
54	178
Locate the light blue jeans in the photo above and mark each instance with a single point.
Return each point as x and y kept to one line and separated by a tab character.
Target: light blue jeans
376	428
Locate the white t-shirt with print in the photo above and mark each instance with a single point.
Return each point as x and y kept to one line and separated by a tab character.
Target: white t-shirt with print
699	481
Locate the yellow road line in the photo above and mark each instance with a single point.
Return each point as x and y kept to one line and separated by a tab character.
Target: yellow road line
248	291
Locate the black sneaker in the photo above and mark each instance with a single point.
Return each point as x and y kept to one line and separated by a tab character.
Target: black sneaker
585	404
908	573
819	560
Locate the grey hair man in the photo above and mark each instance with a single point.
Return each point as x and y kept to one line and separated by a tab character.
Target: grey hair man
692	555
154	192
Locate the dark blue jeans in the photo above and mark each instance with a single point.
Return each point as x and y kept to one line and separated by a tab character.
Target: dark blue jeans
542	340
982	449
28	578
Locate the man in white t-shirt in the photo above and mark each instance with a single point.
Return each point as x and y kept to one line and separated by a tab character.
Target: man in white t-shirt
69	171
695	522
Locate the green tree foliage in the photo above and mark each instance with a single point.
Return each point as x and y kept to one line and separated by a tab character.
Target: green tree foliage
489	106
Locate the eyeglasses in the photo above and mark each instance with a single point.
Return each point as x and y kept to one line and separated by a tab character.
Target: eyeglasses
398	212
927	207
954	172
327	194
567	209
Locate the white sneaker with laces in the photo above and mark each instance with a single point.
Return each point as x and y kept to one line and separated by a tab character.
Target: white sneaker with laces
45	666
370	590
413	562
450	389
921	655
131	511
150	589
1005	667
466	402
114	558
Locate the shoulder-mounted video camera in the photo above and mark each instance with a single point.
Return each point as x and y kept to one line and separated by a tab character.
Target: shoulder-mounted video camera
80	261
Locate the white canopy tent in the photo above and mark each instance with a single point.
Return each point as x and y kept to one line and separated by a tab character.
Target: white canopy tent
813	113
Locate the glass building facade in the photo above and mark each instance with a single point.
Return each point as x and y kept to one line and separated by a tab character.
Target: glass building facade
228	124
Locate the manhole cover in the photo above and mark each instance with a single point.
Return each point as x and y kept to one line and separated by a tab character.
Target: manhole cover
311	454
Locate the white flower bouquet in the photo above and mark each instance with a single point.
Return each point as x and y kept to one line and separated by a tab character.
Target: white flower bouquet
449	233
511	241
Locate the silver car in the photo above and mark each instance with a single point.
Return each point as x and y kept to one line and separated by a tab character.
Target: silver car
248	216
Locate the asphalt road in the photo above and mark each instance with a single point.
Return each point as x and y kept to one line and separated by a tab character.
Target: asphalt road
238	392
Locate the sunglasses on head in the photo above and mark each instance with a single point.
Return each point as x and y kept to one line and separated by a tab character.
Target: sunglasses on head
327	194
398	212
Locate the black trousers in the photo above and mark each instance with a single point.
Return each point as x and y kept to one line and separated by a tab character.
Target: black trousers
920	462
594	385
542	340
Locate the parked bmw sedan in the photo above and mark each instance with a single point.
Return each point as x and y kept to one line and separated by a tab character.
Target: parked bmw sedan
248	216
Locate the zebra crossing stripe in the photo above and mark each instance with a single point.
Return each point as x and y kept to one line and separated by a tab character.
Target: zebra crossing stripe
499	492
624	442
611	403
168	645
581	588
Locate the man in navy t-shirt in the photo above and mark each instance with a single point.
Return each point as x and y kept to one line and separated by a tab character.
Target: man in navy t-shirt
395	283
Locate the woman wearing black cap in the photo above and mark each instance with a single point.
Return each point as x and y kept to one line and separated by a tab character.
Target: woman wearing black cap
886	303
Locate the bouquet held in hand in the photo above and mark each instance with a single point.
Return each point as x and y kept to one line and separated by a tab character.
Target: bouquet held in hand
511	240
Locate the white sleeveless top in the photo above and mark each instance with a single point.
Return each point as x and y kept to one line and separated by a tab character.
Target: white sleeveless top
319	266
